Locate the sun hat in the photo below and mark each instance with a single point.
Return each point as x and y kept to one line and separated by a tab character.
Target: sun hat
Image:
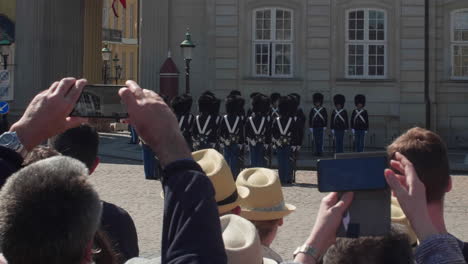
228	195
241	241
265	200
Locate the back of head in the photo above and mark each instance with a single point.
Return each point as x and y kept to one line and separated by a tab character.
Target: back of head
275	97
393	248
285	105
81	143
234	105
39	153
297	98
49	213
204	103
428	153
235	93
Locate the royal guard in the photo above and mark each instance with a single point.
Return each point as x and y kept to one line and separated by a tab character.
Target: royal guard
318	120
339	122
205	127
182	106
257	130
285	136
299	117
252	96
231	132
359	122
274	100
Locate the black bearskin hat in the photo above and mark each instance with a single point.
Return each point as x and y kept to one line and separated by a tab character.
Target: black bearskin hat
274	97
286	106
297	97
235	93
360	99
209	93
260	104
205	103
235	105
182	104
215	106
252	95
318	98
339	99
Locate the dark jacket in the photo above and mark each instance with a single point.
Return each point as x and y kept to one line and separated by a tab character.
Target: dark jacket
226	137
186	126
191	227
301	122
318	120
261	124
211	132
291	134
337	122
359	123
121	230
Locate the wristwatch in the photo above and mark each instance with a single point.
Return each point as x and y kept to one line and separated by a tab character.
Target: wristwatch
308	250
10	140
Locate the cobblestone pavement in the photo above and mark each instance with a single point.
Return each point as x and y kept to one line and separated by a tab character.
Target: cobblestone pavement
122	182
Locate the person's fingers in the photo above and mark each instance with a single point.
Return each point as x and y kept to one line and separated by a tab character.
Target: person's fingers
396	165
345	201
76	90
331	199
401	158
135	88
71	122
65	85
395	184
128	97
53	87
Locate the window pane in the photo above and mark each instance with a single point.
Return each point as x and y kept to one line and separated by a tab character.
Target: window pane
380	35
352	15
460	61
282	58
262	55
355	60
352	35
360	14
262	25
360	35
460	24
372	70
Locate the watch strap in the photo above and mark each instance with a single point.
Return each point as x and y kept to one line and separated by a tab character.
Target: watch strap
308	250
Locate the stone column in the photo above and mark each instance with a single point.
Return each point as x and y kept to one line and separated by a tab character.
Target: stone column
92	59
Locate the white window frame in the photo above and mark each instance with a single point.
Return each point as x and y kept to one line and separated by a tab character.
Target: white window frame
272	42
366	43
454	43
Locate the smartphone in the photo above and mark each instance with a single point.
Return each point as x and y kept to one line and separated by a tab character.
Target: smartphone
368	215
351	174
100	101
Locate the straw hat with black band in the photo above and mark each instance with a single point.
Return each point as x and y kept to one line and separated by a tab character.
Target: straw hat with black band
265	201
228	195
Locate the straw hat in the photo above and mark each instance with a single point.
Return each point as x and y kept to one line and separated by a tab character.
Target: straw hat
241	241
399	217
228	195
265	201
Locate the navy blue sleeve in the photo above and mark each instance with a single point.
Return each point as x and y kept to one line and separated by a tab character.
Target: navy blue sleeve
191	226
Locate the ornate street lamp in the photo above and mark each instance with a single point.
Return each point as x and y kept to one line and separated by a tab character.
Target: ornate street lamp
5	50
106	57
118	69
187	50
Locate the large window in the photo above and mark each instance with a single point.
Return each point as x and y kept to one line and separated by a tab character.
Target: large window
459	42
366	44
273	42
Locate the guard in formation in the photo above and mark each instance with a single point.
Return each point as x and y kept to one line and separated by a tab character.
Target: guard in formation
286	137
339	122
257	130
231	132
359	122
318	120
182	106
205	128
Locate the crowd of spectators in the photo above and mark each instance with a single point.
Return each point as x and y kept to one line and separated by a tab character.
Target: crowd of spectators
50	213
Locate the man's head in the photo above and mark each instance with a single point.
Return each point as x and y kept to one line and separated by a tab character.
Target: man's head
318	99
40	153
49	213
428	153
393	248
267	230
274	99
81	143
339	101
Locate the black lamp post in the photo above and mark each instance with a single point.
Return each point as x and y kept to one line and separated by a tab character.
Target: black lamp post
5	50
187	50
118	69
106	57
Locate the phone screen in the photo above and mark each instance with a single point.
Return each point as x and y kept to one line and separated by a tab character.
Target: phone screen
100	101
354	174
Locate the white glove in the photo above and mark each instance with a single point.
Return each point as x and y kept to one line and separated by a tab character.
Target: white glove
324	128
293	148
311	130
333	131
366	132
353	131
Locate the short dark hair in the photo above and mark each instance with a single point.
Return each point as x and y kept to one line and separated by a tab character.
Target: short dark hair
81	143
428	153
265	228
49	213
39	153
394	248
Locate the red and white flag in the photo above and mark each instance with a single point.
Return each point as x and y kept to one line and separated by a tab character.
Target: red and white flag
124	4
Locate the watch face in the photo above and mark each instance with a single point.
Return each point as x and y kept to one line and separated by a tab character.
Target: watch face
6	138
